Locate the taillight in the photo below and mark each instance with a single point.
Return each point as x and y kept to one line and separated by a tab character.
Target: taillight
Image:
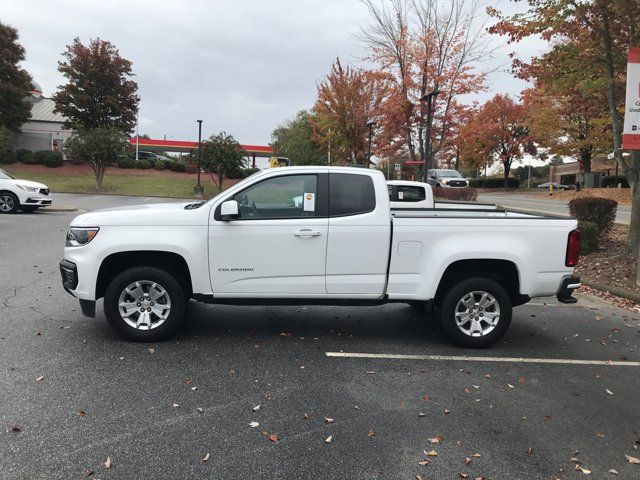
573	249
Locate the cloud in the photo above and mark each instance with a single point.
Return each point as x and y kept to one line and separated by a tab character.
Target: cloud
241	66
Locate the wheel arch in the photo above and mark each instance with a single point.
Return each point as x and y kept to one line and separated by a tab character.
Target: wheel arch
504	272
170	262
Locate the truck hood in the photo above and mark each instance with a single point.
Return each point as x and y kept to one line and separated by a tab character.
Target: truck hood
140	215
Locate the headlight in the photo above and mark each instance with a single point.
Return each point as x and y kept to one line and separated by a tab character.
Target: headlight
445	181
28	189
77	236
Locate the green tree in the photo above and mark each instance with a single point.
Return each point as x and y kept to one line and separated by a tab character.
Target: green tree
99	147
99	90
294	139
15	82
220	156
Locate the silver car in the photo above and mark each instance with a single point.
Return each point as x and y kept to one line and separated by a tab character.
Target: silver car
446	179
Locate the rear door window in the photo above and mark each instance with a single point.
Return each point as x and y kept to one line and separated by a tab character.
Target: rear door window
410	193
351	194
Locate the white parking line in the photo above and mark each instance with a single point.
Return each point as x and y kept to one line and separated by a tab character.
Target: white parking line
453	358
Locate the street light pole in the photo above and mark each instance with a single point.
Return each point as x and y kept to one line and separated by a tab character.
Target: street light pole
198	191
370	124
429	98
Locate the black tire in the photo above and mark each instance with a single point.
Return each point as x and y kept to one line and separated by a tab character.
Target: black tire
9	202
145	274
456	294
29	208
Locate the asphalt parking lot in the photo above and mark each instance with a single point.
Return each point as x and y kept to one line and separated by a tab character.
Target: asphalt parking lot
72	394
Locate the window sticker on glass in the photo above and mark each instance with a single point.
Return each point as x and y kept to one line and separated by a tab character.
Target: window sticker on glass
309	202
400	195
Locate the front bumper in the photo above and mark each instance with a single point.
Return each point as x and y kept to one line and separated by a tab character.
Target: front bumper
69	273
567	286
39	201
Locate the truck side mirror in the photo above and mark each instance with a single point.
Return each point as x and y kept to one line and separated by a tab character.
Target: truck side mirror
229	210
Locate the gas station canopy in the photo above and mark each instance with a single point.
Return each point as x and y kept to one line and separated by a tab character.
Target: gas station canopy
159	145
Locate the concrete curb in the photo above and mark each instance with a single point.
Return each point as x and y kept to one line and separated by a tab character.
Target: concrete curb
618	292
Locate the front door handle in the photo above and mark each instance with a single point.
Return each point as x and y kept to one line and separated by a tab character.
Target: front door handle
306	232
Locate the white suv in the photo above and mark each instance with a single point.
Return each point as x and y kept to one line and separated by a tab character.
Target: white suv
25	195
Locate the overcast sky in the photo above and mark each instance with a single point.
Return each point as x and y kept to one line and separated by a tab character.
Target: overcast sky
241	66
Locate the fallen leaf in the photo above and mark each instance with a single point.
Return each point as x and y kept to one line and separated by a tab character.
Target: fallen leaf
232	371
425	397
613	471
206	457
521	380
254	424
487	376
286	334
194	388
328	420
371	433
464	475
529	450
634	460
370	372
467	461
39	378
15	428
81	413
329	439
431	453
476	455
608	391
436	439
446	412
510	386
256	408
152	350
419	477
422	463
422	414
107	463
583	470
88	472
305	416
273	437
600	434
175	405
188	381
267	396
356	407
467	390
200	409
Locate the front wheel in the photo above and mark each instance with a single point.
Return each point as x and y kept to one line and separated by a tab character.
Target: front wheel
9	202
144	304
476	312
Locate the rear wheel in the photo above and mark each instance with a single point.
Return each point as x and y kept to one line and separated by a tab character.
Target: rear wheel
476	312
29	208
144	304
9	202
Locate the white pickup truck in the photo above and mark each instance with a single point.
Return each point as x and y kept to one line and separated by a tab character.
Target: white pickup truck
257	243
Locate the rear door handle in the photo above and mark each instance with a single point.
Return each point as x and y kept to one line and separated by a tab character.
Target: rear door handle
306	232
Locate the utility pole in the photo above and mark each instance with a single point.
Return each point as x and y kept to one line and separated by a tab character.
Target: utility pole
429	98
198	191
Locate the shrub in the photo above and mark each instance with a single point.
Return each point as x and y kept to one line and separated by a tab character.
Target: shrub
588	237
174	166
247	172
7	157
457	194
42	156
494	182
601	211
613	181
51	159
159	165
25	156
126	162
143	164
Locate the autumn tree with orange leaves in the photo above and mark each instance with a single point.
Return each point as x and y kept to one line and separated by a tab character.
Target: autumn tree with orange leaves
348	98
424	46
498	132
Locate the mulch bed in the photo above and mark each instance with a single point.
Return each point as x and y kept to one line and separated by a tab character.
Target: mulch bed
611	269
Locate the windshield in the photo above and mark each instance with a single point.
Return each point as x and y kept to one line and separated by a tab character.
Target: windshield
449	173
5	176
